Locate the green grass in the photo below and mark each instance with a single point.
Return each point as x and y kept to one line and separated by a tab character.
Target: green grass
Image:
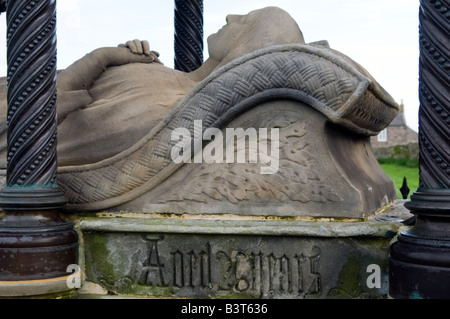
396	169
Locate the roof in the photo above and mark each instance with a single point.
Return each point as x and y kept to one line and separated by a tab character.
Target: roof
399	120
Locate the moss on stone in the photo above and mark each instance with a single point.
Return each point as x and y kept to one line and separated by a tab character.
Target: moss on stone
349	283
352	279
95	250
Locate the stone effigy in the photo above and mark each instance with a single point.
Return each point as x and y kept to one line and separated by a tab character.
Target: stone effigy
118	109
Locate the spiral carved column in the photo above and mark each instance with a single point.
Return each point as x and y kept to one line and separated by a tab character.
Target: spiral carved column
420	259
188	35
35	243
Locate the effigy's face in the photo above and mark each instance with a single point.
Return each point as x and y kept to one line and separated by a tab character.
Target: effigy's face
227	38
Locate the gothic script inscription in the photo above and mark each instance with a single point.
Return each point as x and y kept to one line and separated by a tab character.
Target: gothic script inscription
256	271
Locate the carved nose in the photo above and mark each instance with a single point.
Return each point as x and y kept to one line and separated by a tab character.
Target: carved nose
232	17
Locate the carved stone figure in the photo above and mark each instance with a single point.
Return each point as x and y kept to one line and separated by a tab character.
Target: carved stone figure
118	109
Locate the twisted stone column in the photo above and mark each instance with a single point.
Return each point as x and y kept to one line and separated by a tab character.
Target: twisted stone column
35	243
420	259
188	35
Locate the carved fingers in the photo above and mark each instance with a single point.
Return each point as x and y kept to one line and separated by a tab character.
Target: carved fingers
140	47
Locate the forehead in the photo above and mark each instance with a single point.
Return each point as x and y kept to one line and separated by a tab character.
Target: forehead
259	14
249	17
253	14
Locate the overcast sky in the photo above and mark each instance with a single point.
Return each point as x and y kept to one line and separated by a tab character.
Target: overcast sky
381	35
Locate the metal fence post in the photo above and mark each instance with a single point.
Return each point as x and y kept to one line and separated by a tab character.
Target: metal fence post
420	259
35	243
188	35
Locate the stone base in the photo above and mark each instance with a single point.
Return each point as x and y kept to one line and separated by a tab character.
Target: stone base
205	257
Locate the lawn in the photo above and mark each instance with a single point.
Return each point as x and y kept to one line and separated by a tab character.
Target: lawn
397	169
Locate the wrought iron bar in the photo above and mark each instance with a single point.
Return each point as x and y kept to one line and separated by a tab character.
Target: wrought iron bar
188	35
35	243
404	190
420	259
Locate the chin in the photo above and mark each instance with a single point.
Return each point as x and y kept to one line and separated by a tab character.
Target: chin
210	38
211	43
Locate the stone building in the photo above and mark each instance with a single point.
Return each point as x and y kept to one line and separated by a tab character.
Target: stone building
396	134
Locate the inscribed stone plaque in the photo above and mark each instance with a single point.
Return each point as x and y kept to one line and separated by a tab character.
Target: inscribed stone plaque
231	266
